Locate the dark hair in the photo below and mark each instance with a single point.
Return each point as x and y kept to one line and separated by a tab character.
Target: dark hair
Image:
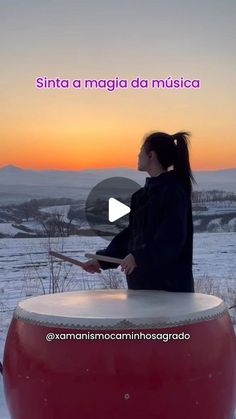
172	150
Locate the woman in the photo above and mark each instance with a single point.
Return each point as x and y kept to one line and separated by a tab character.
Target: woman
157	246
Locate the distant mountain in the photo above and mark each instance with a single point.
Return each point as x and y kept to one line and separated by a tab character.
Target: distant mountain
216	179
17	183
11	175
10	168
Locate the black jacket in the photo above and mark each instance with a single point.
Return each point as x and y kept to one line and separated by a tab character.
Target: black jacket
159	235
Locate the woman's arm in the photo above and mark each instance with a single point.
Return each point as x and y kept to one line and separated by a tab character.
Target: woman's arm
118	247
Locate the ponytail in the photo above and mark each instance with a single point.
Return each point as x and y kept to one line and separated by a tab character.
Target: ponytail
172	150
181	161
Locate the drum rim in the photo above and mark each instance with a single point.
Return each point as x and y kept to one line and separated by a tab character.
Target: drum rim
122	322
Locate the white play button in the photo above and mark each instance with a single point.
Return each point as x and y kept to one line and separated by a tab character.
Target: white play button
107	206
116	209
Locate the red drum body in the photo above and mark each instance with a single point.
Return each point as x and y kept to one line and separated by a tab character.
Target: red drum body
153	376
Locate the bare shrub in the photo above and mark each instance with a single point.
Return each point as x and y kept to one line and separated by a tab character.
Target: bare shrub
113	279
225	289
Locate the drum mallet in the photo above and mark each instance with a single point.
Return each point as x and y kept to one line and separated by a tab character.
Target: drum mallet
103	258
88	255
66	258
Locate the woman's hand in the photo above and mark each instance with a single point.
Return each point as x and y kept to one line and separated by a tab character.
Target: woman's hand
92	266
128	264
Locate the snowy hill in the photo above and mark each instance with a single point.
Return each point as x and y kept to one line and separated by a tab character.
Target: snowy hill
19	185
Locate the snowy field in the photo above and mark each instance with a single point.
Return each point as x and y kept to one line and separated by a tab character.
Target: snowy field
58	209
25	271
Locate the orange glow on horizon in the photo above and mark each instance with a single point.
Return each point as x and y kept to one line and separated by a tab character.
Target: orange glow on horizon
89	155
128	164
78	136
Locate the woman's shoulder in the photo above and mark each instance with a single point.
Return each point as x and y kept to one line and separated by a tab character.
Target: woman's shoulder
174	191
140	194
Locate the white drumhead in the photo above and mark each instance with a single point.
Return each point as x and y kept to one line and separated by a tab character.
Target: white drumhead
119	309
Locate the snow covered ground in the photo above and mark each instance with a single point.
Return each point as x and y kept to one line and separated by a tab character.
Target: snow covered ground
8	229
216	208
61	210
24	271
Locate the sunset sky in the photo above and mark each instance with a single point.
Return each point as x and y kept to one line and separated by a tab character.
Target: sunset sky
78	129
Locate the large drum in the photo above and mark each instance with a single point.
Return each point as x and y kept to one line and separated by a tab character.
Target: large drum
121	354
